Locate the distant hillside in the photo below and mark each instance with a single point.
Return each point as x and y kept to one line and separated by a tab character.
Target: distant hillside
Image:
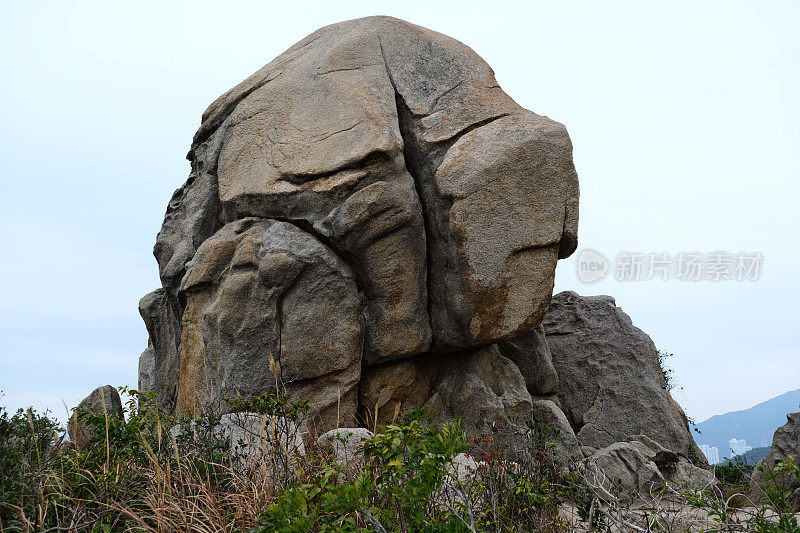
755	455
756	424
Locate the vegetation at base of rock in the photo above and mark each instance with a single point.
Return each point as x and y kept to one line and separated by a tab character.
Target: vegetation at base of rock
150	471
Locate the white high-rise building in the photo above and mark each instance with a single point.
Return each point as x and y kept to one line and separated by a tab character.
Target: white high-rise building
739	446
711	453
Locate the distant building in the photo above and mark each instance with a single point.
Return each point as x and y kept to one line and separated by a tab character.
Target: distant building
738	446
711	453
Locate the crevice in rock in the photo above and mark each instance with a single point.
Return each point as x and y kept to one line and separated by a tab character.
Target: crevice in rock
411	155
372	159
454	139
347	257
405	124
279	331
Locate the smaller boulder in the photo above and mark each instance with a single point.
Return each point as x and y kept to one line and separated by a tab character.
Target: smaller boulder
345	443
641	466
622	468
546	413
462	472
675	469
256	442
103	400
688	475
466	468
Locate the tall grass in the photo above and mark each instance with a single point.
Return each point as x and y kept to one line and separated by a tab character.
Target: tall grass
259	473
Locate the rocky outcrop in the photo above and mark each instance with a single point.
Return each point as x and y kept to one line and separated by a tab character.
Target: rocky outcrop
785	444
610	383
371	224
366	217
104	401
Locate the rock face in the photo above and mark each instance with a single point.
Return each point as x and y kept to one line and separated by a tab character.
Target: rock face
365	218
260	290
147	370
479	387
785	444
531	354
610	383
102	400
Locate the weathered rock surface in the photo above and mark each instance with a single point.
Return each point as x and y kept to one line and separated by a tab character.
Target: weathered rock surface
531	354
103	400
785	444
480	387
610	383
370	198
270	307
147	370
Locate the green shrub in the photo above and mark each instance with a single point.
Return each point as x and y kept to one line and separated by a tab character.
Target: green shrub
735	472
405	467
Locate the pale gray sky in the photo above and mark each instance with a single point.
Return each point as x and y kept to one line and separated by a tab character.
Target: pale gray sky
684	118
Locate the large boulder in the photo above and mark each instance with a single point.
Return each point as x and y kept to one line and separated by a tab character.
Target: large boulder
610	383
104	401
785	444
370	198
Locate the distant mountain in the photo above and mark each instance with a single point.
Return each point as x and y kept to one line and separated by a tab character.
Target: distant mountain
756	424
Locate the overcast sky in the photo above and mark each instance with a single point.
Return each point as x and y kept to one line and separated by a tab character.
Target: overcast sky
684	119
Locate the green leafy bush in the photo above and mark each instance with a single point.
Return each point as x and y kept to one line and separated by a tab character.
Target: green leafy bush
406	465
